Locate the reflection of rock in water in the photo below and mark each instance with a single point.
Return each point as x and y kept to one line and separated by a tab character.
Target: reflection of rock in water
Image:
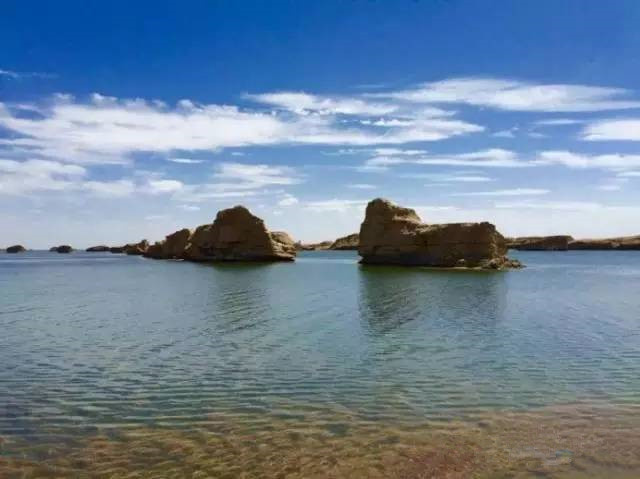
562	442
390	297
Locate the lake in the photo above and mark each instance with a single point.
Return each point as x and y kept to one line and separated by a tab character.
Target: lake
114	365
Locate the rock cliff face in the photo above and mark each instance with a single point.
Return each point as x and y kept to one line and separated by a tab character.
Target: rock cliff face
65	248
540	243
136	248
622	243
349	242
237	235
18	248
391	234
97	249
116	249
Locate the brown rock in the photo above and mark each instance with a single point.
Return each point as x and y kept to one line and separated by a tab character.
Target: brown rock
237	235
349	242
540	243
136	248
391	234
18	248
65	248
116	249
97	249
155	251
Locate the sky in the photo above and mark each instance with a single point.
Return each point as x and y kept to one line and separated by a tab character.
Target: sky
129	120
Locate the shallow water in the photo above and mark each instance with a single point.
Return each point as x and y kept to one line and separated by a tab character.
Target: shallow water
292	364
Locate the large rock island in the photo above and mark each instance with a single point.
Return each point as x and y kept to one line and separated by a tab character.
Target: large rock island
65	248
235	235
391	234
18	248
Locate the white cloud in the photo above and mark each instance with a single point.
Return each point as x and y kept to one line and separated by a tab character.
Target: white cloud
118	188
361	186
558	122
508	192
505	133
185	161
515	95
189	207
336	205
450	178
18	178
288	200
159	187
629	174
579	160
19	75
551	205
491	158
305	103
606	130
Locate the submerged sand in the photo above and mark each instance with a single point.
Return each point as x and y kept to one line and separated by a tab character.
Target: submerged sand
564	442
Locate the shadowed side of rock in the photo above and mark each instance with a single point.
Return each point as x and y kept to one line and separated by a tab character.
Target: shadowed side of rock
136	248
65	248
17	248
391	234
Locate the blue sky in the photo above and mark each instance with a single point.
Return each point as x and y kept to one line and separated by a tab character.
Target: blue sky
121	121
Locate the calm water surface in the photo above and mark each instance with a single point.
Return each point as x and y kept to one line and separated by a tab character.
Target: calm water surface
96	343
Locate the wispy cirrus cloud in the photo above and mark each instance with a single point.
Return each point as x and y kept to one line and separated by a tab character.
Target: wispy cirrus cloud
583	160
507	192
14	75
514	95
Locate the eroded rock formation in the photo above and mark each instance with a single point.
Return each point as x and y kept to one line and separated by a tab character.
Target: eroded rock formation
97	249
136	248
18	248
349	242
540	243
235	235
391	234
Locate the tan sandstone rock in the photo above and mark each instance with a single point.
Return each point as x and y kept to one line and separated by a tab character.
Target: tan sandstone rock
237	235
391	234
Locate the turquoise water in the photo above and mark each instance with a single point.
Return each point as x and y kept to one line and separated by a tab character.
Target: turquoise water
96	341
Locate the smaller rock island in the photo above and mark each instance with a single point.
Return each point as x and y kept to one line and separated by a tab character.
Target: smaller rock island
18	248
65	248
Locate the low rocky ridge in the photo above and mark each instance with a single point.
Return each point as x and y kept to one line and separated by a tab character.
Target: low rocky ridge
540	243
622	243
565	243
391	234
136	249
97	249
235	235
323	245
349	242
65	248
18	248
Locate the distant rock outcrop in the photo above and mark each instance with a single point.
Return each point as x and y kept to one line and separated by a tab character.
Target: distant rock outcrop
116	249
136	248
323	245
97	249
237	235
391	234
349	242
18	248
622	243
65	248
540	243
